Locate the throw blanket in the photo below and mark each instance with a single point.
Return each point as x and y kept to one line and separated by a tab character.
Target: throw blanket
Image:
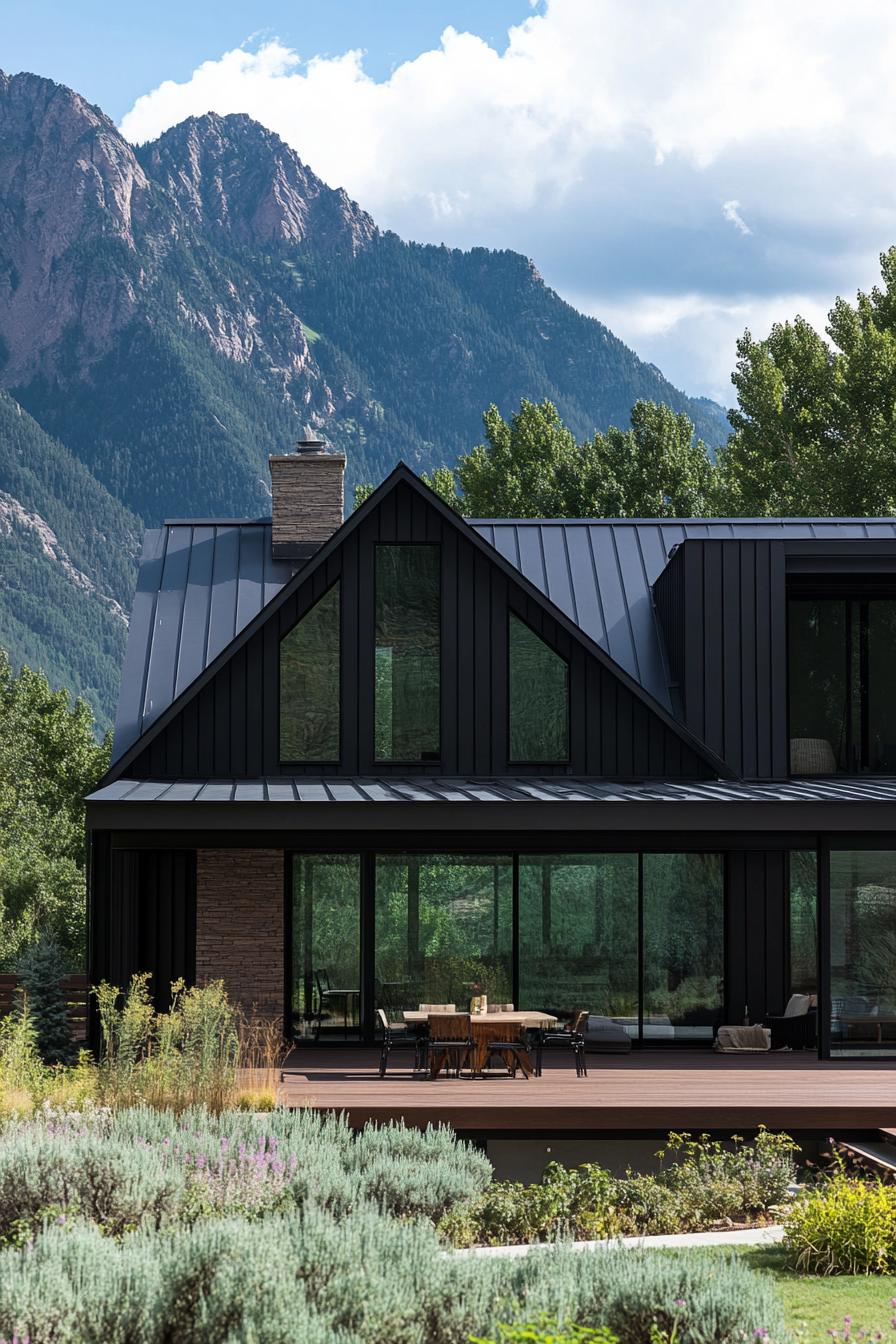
742	1038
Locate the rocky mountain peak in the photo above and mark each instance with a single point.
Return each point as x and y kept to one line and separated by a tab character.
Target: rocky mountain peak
69	182
234	179
56	147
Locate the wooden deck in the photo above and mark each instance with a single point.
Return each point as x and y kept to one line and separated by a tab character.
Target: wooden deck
642	1093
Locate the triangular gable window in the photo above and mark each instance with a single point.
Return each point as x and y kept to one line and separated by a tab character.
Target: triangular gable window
539	699
309	684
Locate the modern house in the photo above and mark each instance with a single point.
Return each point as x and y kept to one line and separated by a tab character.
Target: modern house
643	767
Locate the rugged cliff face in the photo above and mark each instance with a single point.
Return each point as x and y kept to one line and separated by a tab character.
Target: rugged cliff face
234	180
171	314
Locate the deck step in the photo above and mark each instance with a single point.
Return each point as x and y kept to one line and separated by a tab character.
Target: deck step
880	1155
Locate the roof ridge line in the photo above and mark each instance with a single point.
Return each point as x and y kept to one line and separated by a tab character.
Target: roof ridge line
217	522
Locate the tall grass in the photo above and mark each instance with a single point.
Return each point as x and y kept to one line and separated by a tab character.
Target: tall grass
201	1052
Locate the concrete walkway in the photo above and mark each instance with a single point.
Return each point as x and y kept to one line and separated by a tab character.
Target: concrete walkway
749	1236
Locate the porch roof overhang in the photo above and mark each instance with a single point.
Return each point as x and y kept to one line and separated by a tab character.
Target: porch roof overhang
519	803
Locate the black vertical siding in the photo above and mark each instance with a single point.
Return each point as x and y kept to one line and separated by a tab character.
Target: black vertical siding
723	611
756	933
230	728
142	916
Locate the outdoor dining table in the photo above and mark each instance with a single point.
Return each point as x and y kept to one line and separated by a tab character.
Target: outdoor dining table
485	1028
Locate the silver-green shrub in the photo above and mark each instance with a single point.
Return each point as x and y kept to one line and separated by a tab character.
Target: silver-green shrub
110	1183
361	1279
199	1164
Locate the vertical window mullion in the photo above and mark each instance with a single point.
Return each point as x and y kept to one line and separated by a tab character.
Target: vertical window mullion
640	949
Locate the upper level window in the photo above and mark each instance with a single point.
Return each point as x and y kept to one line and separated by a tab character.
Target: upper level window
408	629
842	651
309	684
539	698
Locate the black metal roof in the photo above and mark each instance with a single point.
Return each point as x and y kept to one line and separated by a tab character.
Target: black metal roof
202	582
589	812
437	789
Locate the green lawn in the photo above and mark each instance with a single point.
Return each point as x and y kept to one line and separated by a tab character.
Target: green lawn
814	1307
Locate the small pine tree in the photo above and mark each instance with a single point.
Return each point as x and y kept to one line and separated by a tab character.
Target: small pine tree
41	971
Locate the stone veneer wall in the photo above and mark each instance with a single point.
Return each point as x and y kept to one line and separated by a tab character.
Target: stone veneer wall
239	925
307	496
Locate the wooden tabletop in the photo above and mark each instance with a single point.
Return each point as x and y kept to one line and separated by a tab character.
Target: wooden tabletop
519	1019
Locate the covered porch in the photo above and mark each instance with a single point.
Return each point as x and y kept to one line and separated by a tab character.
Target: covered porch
668	909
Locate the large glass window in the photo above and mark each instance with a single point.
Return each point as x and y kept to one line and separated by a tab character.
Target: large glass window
803	921
579	935
539	698
842	711
580	945
309	684
684	925
684	945
408	621
326	944
863	952
443	929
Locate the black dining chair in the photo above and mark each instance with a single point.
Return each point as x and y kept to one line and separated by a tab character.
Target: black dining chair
571	1036
517	1047
327	994
399	1034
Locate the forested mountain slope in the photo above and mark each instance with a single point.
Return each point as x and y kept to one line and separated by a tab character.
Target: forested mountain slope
174	313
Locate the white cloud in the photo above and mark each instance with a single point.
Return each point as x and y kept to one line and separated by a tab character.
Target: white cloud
602	140
682	334
731	212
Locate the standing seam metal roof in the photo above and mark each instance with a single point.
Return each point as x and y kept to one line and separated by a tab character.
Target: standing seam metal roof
432	789
202	581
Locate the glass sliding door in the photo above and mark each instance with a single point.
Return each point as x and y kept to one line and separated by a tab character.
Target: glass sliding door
683	949
443	930
326	945
863	952
578	940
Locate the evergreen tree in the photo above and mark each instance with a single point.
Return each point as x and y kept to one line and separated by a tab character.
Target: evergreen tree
41	971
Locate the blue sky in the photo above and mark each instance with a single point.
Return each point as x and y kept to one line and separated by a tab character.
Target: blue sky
681	169
113	52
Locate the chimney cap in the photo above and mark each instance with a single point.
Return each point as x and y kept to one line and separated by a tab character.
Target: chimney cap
310	442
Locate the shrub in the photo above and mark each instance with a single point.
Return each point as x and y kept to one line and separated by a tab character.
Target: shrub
581	1203
546	1331
713	1183
365	1279
115	1185
41	971
255	1099
707	1184
238	1162
648	1208
843	1226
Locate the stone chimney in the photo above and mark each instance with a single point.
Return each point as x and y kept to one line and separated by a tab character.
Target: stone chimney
307	497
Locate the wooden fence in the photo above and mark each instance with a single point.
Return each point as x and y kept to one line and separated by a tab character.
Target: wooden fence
75	989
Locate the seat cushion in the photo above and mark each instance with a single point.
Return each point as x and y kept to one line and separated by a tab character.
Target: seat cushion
603	1034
